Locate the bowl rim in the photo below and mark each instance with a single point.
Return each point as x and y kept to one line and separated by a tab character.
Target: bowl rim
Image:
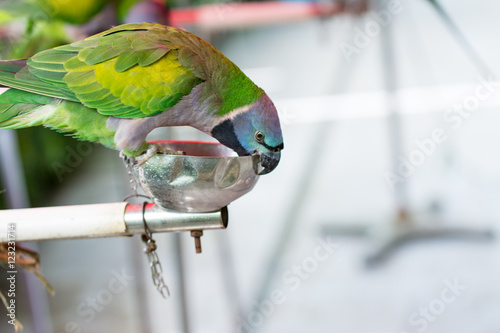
233	154
185	141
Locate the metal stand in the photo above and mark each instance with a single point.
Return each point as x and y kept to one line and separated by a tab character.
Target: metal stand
404	228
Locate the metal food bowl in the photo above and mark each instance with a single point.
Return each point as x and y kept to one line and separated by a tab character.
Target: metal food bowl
207	178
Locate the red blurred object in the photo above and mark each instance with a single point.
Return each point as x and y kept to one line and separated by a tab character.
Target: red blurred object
238	15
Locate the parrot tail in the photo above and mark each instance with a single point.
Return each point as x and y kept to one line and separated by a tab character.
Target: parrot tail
20	109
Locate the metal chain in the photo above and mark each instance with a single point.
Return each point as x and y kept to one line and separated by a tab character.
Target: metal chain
129	165
153	259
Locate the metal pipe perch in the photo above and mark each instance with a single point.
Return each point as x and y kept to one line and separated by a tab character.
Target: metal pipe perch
102	220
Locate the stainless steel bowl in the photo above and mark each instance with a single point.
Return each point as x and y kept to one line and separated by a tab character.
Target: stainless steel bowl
207	178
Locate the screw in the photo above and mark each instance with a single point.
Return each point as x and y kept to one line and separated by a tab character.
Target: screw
197	241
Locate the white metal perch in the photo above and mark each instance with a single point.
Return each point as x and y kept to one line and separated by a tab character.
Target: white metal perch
102	220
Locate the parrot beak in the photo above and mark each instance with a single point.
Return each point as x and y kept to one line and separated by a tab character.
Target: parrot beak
269	161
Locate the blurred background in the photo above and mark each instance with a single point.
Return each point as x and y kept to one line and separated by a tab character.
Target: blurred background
381	216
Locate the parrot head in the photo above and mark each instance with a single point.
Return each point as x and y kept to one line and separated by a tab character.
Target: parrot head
253	129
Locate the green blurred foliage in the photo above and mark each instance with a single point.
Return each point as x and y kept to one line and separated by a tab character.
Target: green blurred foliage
23	44
3	205
24	31
41	149
74	12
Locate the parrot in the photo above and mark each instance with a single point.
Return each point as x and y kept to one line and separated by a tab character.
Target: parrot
115	87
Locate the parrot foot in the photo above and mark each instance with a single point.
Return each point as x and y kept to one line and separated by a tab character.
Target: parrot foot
154	149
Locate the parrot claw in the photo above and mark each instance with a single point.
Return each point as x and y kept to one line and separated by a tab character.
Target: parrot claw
154	149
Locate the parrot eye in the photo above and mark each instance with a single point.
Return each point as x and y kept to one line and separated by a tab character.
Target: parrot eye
259	136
